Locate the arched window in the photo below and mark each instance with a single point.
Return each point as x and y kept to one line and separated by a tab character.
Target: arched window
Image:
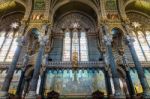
12	49
148	36
75	42
83	47
2	37
144	45
142	41
67	47
6	46
8	43
138	48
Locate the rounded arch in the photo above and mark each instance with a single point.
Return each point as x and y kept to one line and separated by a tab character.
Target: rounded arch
140	13
117	30
10	18
87	3
81	19
22	2
30	30
138	6
10	7
128	2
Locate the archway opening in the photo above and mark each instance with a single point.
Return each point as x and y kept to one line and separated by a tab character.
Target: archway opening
117	36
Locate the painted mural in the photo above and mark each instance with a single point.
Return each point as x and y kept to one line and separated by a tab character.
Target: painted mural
136	81
71	82
147	74
2	77
14	82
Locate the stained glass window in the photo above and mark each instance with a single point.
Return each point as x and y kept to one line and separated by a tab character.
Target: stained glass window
83	47
144	45
148	36
138	48
2	37
66	49
6	46
12	50
77	44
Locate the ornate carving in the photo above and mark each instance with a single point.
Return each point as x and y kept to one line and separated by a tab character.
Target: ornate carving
129	39
21	41
74	17
43	40
107	39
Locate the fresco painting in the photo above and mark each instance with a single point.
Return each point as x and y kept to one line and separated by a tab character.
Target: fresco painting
147	75
14	82
75	82
136	81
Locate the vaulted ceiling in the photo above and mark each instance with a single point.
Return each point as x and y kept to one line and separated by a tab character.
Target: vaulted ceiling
7	6
138	5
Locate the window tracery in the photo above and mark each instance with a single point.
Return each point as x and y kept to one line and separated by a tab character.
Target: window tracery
141	43
75	26
141	35
8	36
77	43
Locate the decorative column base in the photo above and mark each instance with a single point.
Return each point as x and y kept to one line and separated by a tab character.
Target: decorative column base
4	95
31	95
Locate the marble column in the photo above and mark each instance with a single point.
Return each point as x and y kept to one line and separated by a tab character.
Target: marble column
42	84
12	67
107	40
43	73
146	89
19	87
108	83
128	76
33	84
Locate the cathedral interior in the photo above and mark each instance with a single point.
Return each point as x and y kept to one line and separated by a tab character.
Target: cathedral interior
74	49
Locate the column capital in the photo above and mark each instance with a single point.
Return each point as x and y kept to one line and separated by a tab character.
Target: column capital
106	59
25	61
43	40
107	39
21	40
129	40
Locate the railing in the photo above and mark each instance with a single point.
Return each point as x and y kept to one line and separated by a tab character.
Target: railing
7	64
60	64
92	64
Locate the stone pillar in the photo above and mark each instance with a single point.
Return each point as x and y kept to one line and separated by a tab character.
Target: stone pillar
42	84
19	87
108	83
144	83
12	67
107	40
33	84
128	76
